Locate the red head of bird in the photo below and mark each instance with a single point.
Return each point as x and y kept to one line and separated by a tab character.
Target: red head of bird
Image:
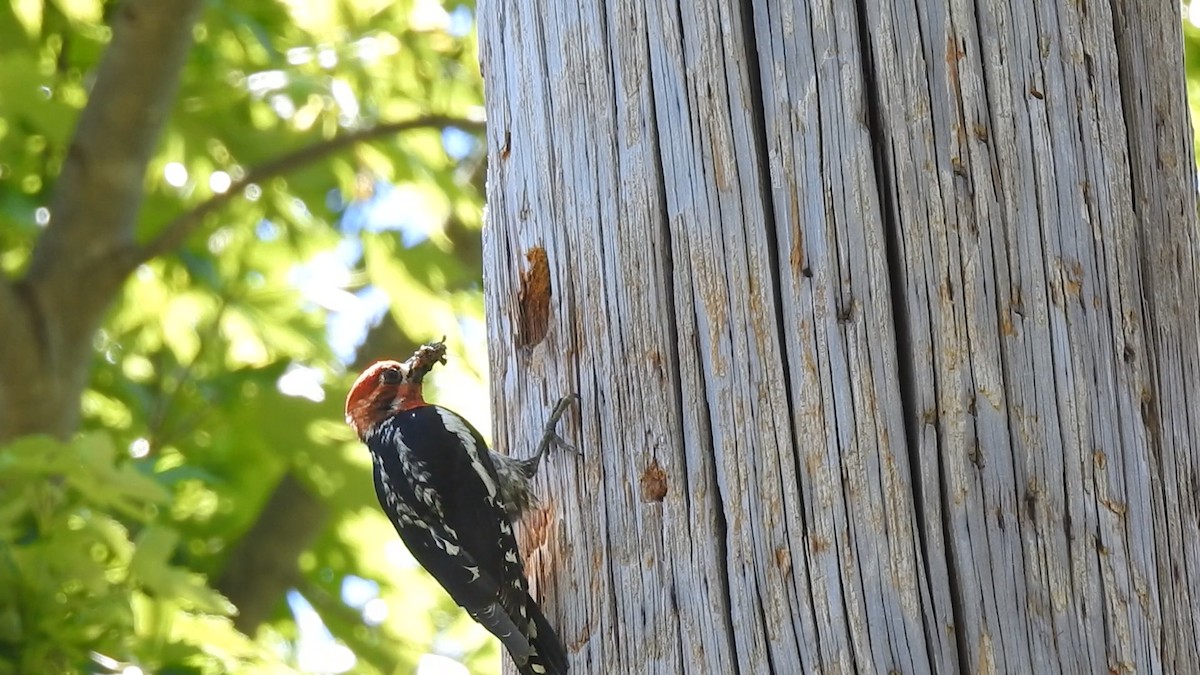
382	390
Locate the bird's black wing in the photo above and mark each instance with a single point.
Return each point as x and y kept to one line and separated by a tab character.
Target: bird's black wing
495	545
435	480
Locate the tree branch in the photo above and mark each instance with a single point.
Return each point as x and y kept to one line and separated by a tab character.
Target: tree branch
178	230
21	366
97	197
74	272
262	565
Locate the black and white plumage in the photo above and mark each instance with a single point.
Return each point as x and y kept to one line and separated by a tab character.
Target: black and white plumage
439	484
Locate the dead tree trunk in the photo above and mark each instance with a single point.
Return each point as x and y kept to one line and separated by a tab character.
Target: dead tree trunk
885	323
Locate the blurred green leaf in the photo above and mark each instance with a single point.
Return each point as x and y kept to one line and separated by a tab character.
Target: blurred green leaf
83	11
29	14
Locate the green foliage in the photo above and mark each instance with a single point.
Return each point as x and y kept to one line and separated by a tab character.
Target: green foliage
1191	54
112	544
86	565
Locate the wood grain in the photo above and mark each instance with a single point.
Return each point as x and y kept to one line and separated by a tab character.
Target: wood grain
894	303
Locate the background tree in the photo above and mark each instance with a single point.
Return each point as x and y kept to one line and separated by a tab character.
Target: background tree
200	205
885	322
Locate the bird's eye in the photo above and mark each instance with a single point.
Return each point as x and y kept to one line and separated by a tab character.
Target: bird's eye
391	376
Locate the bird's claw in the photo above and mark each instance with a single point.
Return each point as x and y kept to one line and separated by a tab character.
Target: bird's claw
559	443
550	435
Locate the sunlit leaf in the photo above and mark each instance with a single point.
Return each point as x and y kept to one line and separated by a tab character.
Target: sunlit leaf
29	14
82	11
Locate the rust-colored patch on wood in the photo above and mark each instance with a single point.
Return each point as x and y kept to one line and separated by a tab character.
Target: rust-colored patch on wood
1006	325
534	530
783	559
796	255
578	643
956	51
506	149
537	539
813	461
1118	508
946	291
533	300
654	483
655	358
954	54
1074	280
818	544
986	663
958	167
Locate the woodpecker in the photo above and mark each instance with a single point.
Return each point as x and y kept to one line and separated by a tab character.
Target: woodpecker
454	502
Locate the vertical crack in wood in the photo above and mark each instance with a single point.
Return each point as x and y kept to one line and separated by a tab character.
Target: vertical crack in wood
757	119
766	622
667	283
703	499
901	320
1163	203
720	522
614	585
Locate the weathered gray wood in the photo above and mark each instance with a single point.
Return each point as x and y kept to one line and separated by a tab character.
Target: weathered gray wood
1160	537
885	326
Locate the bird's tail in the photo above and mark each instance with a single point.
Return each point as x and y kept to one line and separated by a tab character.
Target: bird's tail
548	657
